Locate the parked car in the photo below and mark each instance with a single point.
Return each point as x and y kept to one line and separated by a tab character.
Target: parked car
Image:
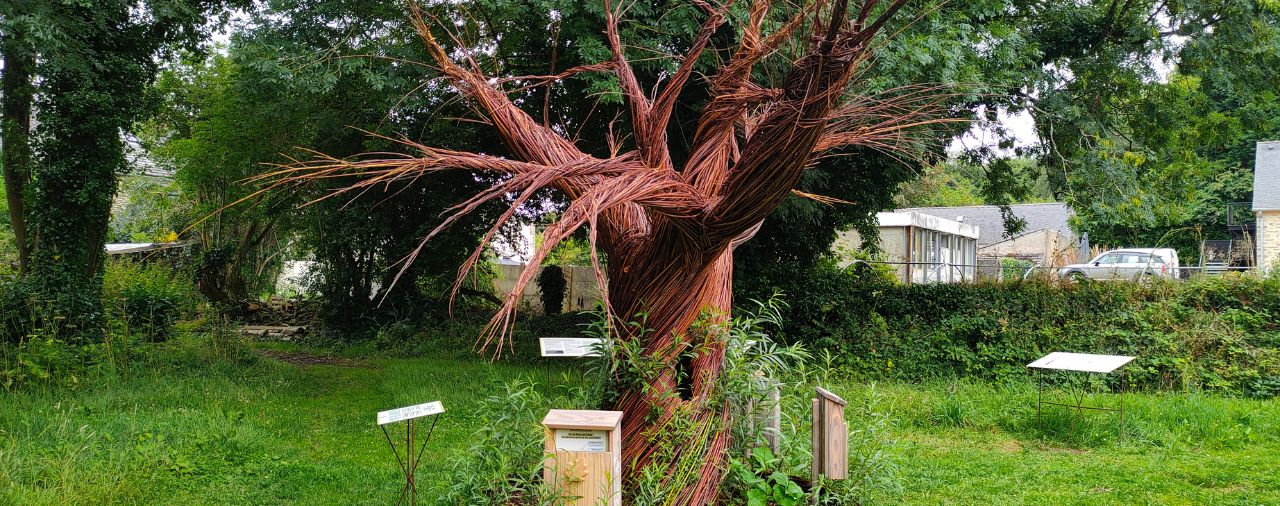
1126	264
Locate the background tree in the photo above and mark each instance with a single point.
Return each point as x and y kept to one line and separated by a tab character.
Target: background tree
93	69
1147	112
973	46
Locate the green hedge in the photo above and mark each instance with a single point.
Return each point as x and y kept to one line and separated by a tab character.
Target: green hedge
1217	334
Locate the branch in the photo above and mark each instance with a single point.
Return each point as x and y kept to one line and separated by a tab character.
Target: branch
714	144
782	142
885	120
660	115
638	103
527	138
655	191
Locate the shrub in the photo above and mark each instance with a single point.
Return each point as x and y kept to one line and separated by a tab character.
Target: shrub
147	298
1219	333
551	283
505	464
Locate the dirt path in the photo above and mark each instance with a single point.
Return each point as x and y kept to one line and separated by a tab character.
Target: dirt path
303	358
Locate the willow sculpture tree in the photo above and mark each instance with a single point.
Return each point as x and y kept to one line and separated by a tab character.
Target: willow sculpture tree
669	231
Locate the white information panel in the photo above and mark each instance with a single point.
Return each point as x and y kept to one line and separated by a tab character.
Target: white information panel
1083	362
577	440
569	346
407	412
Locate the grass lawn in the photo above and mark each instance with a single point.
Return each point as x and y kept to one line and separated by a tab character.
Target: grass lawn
197	430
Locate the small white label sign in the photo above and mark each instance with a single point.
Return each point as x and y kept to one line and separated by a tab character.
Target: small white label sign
407	412
569	346
577	440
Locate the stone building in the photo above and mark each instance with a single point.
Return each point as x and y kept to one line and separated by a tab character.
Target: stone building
920	248
1266	203
1046	240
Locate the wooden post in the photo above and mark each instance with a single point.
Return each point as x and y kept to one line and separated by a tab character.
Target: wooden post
830	437
584	456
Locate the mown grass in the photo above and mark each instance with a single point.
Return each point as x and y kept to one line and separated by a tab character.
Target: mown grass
197	429
201	430
978	443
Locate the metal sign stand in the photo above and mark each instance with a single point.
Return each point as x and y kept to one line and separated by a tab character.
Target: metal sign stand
1080	362
409	465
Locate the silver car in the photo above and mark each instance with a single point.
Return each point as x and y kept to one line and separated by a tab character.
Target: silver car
1126	264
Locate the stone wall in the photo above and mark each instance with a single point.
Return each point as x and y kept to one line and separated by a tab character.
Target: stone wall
1269	239
581	292
1046	247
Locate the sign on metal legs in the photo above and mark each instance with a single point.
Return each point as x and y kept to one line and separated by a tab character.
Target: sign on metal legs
409	464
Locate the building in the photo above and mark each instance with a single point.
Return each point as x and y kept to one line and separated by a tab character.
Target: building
1266	204
1046	240
920	247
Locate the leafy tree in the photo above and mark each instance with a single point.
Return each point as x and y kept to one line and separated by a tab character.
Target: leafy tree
214	129
280	87
152	211
940	185
1146	160
93	61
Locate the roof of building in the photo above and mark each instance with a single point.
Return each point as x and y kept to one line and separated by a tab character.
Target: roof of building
927	221
1266	177
990	222
123	248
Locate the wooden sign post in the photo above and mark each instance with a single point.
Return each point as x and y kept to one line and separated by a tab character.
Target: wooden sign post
584	456
409	465
830	437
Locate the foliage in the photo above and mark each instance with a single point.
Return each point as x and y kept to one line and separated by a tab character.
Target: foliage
90	82
288	80
212	129
1149	155
505	463
1014	268
1213	334
148	297
153	211
551	285
970	181
765	483
938	186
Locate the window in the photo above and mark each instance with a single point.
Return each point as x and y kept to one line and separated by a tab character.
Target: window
1134	258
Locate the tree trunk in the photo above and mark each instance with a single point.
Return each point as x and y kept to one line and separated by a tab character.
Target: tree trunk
16	120
673	295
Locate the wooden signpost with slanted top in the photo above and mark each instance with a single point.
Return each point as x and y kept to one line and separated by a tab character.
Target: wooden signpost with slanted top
830	437
584	449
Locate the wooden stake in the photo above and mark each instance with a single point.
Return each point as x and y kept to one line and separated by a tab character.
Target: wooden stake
830	437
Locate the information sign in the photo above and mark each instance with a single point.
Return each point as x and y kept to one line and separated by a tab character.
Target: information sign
569	346
408	412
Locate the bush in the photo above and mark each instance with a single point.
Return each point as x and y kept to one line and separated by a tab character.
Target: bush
146	299
551	283
1219	334
1014	268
